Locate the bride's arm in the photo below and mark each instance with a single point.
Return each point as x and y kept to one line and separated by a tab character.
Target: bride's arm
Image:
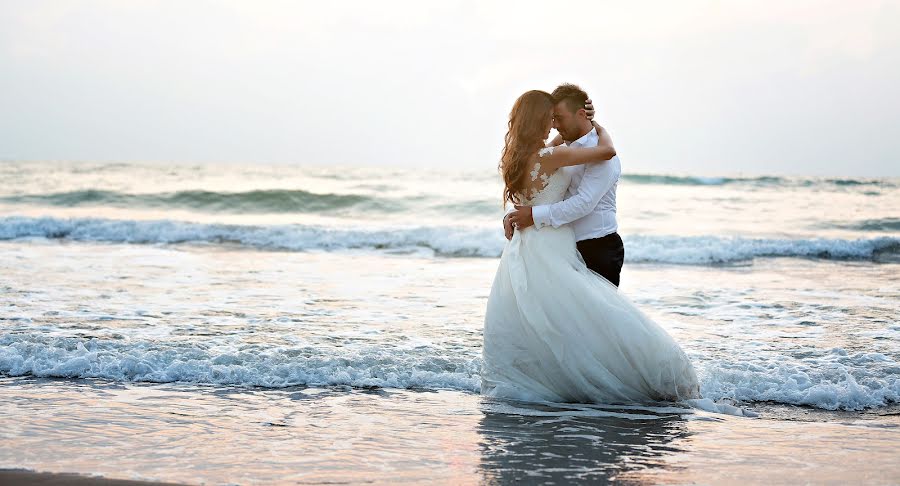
563	156
602	133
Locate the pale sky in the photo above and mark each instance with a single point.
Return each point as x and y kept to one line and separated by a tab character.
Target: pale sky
701	87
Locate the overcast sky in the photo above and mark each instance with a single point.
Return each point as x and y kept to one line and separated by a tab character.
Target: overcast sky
704	87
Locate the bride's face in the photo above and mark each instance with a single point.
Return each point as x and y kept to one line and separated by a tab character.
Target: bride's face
564	121
547	127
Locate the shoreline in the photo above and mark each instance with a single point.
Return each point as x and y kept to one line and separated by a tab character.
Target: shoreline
25	477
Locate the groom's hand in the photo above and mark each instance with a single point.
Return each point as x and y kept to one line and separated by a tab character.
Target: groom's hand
589	109
521	217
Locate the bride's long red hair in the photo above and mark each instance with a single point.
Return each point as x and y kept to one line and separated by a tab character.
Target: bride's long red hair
528	123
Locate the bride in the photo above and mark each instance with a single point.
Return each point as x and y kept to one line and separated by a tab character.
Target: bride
555	330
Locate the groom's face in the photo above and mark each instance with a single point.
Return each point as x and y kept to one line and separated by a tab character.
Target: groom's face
564	121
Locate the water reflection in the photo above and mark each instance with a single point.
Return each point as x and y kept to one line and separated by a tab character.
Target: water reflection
339	435
549	445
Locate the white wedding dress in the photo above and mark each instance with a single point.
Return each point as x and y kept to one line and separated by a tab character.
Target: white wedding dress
556	331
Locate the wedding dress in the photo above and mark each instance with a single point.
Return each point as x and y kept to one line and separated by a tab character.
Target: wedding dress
556	331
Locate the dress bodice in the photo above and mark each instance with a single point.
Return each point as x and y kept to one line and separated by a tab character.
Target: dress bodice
552	186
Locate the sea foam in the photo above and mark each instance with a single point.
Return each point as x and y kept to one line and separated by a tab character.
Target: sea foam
147	361
444	241
835	380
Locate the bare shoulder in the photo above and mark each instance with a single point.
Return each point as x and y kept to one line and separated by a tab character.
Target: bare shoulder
551	158
550	152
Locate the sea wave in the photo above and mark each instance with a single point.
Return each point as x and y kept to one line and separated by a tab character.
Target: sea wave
248	202
698	180
294	237
264	201
248	365
773	181
700	250
835	380
832	379
878	224
443	241
376	196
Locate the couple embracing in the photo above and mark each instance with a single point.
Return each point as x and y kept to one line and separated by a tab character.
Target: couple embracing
556	327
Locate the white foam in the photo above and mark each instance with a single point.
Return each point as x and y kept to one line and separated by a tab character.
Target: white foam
144	361
716	249
833	380
563	410
448	241
721	406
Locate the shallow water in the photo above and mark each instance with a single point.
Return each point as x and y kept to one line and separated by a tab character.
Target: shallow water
277	324
790	331
314	435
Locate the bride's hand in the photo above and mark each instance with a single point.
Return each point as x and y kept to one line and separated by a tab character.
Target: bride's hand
589	109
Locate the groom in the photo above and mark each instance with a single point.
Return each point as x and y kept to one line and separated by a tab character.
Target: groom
590	204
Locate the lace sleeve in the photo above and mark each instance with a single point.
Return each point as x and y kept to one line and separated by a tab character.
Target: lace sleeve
539	176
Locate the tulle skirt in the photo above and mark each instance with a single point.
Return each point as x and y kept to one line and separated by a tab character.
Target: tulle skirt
557	331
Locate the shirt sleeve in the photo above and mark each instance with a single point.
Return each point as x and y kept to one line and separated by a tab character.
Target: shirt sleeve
598	179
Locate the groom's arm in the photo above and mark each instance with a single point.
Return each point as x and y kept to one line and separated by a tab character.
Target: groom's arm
598	180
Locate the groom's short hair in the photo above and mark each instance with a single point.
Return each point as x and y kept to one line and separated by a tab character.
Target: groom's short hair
572	95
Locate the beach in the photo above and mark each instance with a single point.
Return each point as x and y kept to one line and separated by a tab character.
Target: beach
228	324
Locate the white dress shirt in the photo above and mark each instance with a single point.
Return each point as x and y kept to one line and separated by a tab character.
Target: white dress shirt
590	203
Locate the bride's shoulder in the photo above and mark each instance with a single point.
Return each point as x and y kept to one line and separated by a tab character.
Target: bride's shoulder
545	151
549	152
541	168
550	157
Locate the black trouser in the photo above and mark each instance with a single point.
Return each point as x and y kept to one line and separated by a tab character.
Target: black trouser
604	255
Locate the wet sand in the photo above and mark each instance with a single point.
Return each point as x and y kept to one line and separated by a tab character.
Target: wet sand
31	478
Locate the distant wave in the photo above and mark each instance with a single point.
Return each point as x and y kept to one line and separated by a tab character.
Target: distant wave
833	380
446	241
880	224
758	181
695	180
302	201
258	201
858	182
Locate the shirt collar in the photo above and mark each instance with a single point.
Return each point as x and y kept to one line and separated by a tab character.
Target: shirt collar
584	138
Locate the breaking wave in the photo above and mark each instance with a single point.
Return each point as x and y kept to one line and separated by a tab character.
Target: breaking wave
833	380
444	241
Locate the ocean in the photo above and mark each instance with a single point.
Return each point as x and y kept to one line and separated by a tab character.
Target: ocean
259	324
